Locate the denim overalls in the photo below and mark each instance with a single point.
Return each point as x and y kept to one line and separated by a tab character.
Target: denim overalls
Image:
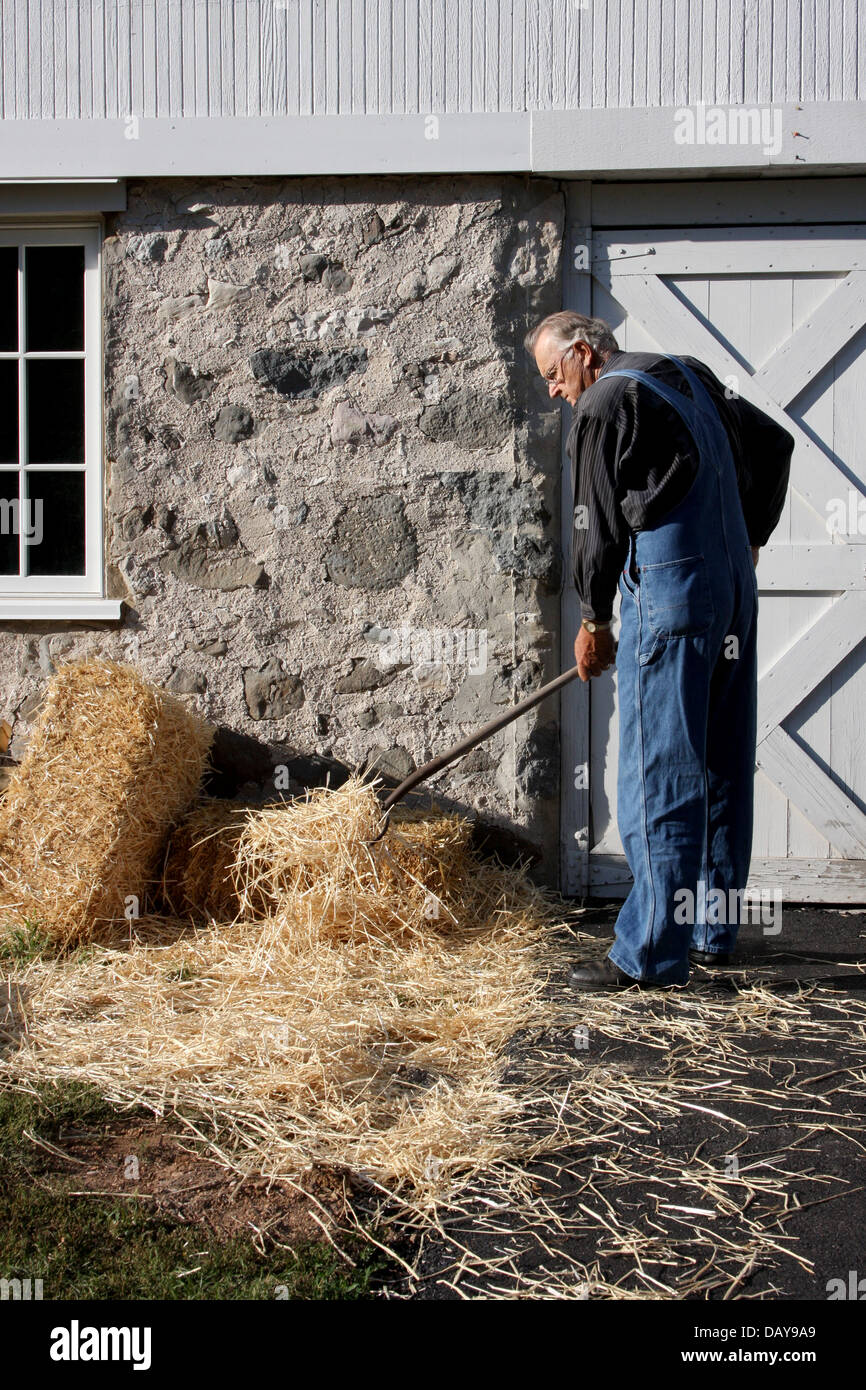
687	675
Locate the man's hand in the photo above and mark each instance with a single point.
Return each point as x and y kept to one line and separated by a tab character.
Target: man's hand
593	652
756	550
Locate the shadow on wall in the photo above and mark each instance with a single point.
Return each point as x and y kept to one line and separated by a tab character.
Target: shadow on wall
244	768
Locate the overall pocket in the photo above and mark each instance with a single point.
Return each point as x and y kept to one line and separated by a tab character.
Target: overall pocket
677	597
627	576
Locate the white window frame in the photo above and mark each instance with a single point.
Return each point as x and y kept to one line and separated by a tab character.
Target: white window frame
67	596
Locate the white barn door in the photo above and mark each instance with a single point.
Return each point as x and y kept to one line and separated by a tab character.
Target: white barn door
778	313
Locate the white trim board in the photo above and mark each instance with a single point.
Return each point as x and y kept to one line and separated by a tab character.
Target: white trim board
198	147
566	143
598	142
766	200
44	609
811	248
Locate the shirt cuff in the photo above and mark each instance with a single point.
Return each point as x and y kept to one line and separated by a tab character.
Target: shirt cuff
595	615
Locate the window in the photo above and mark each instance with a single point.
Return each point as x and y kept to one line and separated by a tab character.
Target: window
51	561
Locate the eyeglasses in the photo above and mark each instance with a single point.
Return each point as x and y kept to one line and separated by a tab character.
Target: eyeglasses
552	374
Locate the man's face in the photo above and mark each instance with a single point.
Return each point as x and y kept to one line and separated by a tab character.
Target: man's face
567	374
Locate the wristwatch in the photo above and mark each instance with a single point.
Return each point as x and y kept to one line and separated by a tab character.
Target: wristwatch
595	627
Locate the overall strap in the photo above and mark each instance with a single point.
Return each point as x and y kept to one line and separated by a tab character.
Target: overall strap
700	395
685	408
700	416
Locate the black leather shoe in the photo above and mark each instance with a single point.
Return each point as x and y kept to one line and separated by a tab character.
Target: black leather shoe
710	957
603	975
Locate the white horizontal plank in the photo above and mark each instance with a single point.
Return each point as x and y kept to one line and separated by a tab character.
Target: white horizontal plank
801	880
728	202
729	251
193	147
543	142
603	142
811	880
811	568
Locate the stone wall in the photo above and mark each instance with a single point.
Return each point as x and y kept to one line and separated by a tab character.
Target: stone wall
333	473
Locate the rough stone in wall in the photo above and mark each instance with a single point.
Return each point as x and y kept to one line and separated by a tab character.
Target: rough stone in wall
211	559
515	521
271	692
538	761
332	471
182	682
232	424
351	426
375	545
304	375
150	246
186	383
470	419
394	763
365	675
313	266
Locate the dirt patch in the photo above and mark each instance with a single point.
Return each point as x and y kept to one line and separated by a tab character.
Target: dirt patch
144	1160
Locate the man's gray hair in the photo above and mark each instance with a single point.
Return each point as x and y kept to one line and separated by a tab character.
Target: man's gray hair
567	327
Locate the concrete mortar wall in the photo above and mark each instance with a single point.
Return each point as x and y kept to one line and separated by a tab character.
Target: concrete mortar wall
328	456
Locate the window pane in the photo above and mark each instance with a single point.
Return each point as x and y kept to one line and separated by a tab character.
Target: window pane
54	298
55	411
8	523
57	524
8	298
8	412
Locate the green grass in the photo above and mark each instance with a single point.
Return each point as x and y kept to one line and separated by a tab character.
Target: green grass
181	974
20	944
70	1106
117	1248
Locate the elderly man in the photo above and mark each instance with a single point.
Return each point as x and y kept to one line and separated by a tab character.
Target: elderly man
676	487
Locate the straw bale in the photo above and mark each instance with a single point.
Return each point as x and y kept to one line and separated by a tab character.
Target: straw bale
111	763
317	858
199	876
315	854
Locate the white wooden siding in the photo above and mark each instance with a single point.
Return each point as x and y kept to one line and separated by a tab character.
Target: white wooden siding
105	59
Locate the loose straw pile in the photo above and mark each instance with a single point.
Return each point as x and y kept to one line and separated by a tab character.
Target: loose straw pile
353	1013
317	856
111	763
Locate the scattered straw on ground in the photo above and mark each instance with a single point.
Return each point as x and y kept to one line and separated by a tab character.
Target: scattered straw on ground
110	764
354	1015
325	1001
683	1174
